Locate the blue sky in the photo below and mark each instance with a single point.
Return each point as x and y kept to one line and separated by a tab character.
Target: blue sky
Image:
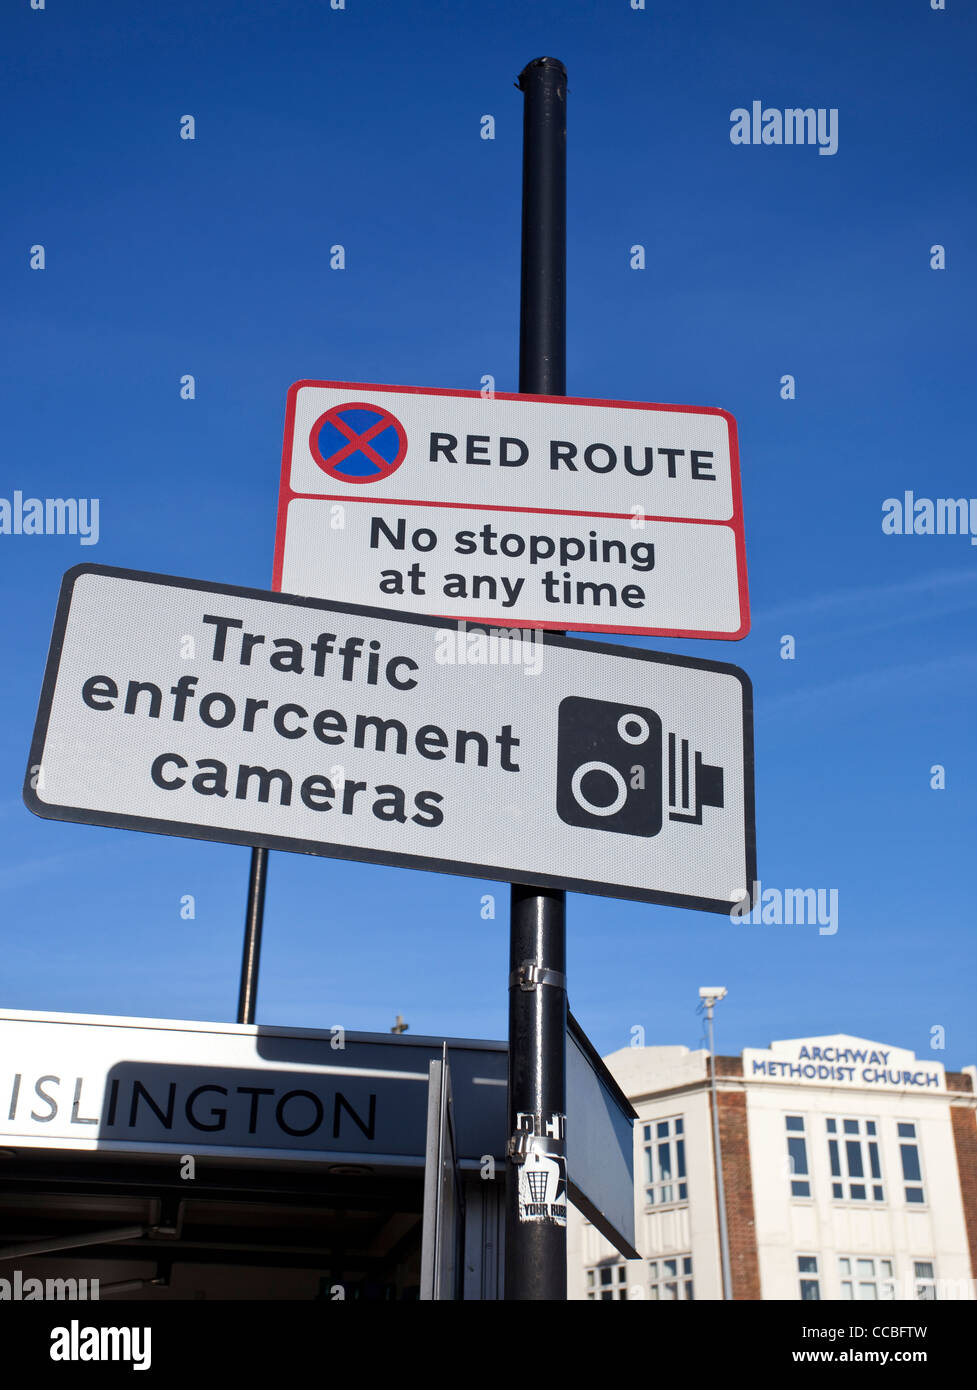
211	257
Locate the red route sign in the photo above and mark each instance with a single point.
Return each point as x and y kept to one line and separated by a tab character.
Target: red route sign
514	510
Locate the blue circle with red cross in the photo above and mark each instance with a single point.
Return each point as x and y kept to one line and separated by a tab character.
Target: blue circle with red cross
358	443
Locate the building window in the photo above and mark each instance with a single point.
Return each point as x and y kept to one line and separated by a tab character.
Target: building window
665	1180
853	1151
605	1283
912	1173
807	1269
800	1181
669	1280
924	1283
866	1278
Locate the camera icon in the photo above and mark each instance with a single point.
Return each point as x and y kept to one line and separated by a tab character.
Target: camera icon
611	769
609	766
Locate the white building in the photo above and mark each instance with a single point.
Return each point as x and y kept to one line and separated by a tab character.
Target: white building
849	1166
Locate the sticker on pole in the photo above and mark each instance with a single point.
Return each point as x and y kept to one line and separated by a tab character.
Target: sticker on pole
543	1186
188	708
530	511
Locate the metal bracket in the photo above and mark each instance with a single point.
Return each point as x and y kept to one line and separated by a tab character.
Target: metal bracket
528	975
169	1218
519	1145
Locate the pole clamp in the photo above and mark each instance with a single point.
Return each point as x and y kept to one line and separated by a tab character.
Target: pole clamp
528	975
519	1145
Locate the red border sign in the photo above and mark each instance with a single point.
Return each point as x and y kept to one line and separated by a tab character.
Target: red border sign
735	522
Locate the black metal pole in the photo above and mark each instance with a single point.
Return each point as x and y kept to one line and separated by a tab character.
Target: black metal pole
536	1245
254	919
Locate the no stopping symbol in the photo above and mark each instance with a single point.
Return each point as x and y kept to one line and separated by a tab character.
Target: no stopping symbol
358	442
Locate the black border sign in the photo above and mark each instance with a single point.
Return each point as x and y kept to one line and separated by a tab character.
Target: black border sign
251	837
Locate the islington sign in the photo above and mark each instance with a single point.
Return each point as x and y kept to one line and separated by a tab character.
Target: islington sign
539	511
187	708
152	1085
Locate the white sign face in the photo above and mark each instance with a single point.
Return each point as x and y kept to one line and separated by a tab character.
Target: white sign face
532	511
843	1060
187	708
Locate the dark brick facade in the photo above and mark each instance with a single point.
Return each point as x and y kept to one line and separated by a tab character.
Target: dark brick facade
964	1121
738	1182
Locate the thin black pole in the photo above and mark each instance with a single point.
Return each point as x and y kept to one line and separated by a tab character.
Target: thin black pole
254	920
536	1246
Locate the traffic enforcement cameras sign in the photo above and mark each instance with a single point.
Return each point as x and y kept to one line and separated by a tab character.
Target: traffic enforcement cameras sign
541	511
187	708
